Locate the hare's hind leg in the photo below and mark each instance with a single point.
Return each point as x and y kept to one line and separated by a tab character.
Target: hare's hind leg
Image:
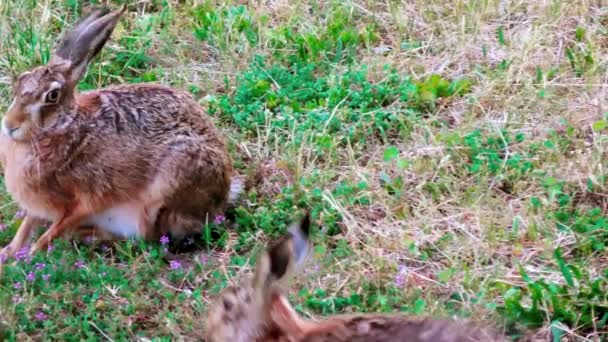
192	184
147	218
178	224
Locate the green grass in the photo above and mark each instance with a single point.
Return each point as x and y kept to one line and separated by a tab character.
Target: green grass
453	154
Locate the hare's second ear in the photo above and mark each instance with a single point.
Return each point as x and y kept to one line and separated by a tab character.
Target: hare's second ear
283	256
300	233
80	45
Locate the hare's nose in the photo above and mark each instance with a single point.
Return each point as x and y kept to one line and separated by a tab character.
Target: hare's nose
8	129
12	130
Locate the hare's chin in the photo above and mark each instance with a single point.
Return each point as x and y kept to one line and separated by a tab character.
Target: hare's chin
120	220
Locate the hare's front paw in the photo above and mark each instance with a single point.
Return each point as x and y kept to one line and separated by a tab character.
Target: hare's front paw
40	245
8	251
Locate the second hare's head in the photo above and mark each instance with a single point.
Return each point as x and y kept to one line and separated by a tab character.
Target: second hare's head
44	95
254	310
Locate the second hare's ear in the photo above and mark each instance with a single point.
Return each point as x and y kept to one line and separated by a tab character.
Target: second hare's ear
81	44
282	257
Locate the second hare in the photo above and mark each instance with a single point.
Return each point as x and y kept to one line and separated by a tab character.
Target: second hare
258	310
136	160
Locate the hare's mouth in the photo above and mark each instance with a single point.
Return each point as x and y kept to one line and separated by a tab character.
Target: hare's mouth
18	134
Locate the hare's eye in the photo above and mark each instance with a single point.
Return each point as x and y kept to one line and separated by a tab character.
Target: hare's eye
52	96
227	304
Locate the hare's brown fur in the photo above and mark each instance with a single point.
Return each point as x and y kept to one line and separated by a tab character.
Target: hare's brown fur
258	310
144	153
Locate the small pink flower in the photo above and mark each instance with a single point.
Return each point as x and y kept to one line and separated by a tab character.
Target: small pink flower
164	240
175	265
79	264
2	227
20	214
50	248
40	316
30	277
17	299
219	219
46	277
23	254
401	276
17	286
40	266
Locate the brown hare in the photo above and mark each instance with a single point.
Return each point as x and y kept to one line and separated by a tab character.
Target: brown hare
258	310
137	160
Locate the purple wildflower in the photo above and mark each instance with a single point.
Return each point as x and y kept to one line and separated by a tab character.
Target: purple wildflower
17	299
175	265
2	227
40	316
22	254
3	258
30	277
164	240
50	248
79	264
204	259
401	276
46	277
40	266
17	286
219	219
20	214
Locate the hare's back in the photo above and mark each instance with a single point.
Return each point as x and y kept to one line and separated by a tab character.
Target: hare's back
393	329
154	111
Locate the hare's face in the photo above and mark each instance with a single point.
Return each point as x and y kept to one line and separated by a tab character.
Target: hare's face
43	94
246	313
236	315
39	96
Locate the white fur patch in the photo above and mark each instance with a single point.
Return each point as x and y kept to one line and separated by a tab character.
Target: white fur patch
4	126
33	109
54	85
237	187
5	130
120	220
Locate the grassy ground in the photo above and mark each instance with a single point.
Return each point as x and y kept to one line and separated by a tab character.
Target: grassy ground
453	153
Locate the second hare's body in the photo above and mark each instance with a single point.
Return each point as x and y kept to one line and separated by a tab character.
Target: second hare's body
258	311
133	160
383	328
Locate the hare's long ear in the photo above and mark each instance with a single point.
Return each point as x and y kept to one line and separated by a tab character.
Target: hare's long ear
81	44
282	257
